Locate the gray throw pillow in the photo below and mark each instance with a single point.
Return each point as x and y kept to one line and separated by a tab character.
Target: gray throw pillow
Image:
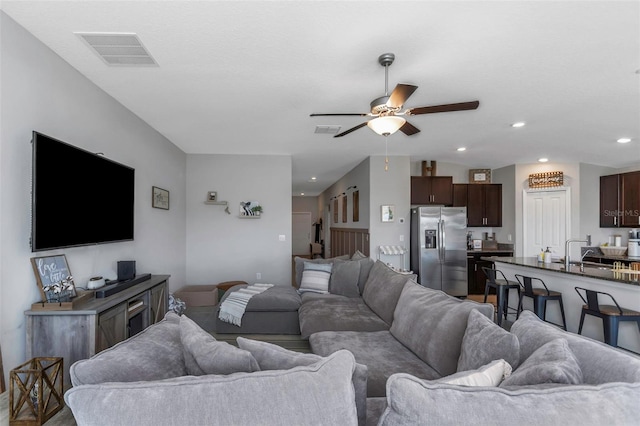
205	355
432	324
299	265
484	341
153	354
358	255
366	263
315	278
344	278
319	394
382	290
274	357
553	362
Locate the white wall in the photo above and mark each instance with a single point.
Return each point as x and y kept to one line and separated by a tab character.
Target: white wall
358	177
306	204
377	187
42	92
392	187
590	205
223	247
458	172
506	177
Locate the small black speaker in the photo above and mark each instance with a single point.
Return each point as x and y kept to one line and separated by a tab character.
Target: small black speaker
126	269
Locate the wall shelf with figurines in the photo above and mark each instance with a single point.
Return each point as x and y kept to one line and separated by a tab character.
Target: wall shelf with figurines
212	199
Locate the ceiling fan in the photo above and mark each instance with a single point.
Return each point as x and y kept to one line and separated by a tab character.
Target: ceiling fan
387	110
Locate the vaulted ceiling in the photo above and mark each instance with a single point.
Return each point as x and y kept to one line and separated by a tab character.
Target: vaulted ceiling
242	77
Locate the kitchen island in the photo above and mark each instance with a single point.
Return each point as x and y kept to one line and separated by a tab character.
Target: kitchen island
624	287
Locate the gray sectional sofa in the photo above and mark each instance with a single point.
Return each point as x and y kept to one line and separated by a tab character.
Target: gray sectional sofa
386	351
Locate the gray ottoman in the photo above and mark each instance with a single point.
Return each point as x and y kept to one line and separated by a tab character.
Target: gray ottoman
274	311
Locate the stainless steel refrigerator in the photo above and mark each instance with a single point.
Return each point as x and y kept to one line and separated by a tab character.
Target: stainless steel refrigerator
439	248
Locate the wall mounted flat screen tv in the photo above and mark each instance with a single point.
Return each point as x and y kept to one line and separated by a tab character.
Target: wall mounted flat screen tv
78	198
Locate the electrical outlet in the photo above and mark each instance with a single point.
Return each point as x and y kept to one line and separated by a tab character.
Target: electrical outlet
509	237
401	237
282	238
258	276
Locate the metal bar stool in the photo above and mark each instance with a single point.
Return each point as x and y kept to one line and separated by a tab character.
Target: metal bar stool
502	287
611	315
540	297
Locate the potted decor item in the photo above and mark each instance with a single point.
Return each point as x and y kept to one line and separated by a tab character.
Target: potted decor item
250	209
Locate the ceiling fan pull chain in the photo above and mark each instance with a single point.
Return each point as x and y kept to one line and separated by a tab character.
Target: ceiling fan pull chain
386	158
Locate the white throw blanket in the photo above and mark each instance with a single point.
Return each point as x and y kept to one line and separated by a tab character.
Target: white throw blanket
233	307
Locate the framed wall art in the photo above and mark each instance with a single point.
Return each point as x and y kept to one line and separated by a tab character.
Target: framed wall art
387	213
344	209
356	206
159	198
54	278
480	176
250	209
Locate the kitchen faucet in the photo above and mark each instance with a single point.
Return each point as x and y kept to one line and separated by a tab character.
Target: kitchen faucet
567	259
582	259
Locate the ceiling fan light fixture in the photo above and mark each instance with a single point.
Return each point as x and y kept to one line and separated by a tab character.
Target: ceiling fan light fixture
387	125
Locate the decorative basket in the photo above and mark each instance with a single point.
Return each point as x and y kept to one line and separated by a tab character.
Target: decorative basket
613	251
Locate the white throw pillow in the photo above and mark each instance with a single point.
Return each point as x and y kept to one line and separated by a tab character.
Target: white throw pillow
491	374
315	278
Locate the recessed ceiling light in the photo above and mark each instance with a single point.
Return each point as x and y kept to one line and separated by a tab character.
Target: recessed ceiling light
624	140
462	148
543	160
518	124
302	193
313	179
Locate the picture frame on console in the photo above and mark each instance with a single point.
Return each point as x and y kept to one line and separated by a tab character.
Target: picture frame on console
159	198
54	278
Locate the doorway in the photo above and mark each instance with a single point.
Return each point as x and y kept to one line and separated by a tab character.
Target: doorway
546	219
301	234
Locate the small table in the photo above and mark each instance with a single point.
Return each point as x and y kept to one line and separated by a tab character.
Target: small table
226	285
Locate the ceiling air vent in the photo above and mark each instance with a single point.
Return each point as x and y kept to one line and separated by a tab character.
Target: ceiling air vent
118	49
327	130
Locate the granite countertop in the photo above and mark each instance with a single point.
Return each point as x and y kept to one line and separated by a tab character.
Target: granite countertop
596	253
591	270
490	251
624	258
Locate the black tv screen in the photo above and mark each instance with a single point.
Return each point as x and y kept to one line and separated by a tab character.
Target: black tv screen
78	197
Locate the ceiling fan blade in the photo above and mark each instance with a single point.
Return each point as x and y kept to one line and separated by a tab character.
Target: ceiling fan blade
409	129
357	114
400	94
346	132
462	106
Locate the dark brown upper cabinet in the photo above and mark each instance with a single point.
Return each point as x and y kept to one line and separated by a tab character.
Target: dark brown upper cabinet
432	190
483	202
620	200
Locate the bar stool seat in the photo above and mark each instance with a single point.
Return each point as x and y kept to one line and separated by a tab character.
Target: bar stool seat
611	315
502	287
540	297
